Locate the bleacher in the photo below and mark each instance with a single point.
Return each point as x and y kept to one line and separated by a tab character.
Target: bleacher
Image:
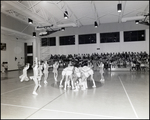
121	61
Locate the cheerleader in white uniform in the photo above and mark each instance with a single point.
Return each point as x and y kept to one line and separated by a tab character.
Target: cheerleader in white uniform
76	76
101	70
40	67
55	70
46	66
90	64
24	75
67	72
85	73
35	77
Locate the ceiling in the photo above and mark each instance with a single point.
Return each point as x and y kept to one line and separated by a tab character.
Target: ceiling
80	13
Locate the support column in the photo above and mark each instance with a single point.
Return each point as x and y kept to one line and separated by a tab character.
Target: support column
77	44
98	49
57	48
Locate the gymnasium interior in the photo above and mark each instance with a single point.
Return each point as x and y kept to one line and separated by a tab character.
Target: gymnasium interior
114	32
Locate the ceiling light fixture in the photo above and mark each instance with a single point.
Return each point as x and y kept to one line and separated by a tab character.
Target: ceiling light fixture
137	22
95	24
119	7
62	29
66	15
34	34
30	21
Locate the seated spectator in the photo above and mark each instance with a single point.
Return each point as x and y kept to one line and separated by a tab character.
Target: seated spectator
142	66
133	66
138	65
106	65
5	66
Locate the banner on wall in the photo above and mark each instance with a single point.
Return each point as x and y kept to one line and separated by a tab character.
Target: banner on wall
3	46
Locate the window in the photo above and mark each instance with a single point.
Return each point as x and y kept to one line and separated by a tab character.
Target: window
44	42
48	41
87	39
67	40
130	36
51	41
109	37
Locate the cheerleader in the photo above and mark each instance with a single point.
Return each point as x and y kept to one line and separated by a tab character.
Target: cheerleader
40	67
76	76
67	73
35	77
46	66
101	70
55	70
24	75
70	63
85	73
90	64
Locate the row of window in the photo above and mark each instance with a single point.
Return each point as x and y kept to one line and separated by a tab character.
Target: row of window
129	36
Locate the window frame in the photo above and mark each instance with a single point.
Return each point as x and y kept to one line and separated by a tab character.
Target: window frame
47	40
63	42
80	42
108	36
134	38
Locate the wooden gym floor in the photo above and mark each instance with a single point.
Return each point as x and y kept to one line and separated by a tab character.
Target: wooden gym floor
123	95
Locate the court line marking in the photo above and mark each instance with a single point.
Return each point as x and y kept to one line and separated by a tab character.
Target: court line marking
44	105
106	117
18	106
79	113
128	98
16	89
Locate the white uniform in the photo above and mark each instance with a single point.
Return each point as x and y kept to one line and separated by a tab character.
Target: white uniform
87	71
35	72
24	75
67	71
40	72
77	72
45	69
55	67
101	70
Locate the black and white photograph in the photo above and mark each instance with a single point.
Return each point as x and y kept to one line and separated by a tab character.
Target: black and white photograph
75	59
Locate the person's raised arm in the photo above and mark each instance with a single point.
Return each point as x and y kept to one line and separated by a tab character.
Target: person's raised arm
28	65
36	61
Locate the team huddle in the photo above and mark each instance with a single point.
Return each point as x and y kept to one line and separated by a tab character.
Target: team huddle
73	76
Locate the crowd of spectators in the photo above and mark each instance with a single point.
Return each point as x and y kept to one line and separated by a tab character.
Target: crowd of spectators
138	61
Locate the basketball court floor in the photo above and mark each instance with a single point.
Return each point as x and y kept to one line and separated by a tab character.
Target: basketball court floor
123	95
